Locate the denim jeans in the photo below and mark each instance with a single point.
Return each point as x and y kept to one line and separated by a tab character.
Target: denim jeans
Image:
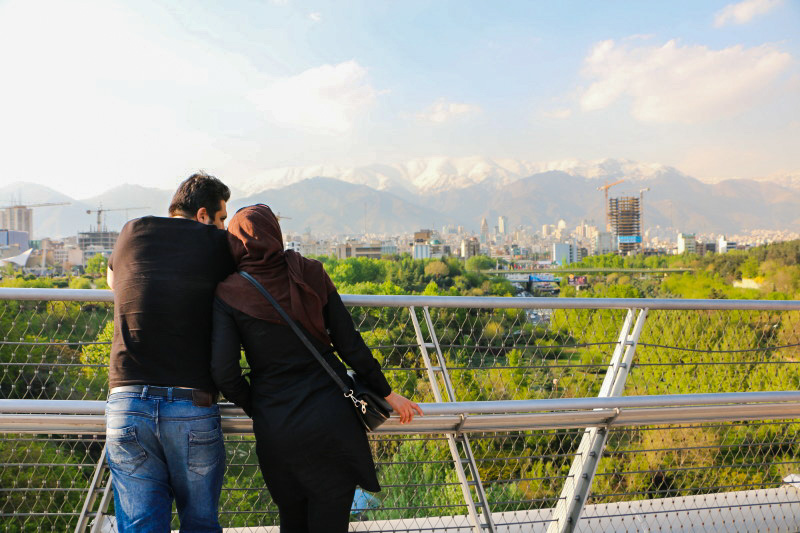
159	449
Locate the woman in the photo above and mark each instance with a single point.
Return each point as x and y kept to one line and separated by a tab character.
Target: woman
311	446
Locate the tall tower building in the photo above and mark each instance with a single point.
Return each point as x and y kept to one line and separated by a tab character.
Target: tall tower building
625	217
484	230
17	218
502	225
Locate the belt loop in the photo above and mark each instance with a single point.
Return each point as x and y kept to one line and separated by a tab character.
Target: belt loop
169	394
144	391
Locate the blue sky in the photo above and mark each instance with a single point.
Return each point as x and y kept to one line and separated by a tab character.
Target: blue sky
97	93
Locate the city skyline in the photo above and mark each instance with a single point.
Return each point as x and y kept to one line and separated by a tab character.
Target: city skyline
104	93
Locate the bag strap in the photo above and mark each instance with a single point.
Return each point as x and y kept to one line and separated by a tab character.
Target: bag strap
347	391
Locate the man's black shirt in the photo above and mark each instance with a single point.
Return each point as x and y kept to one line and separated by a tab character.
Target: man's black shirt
165	274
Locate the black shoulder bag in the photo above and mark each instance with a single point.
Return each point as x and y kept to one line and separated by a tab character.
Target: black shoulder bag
372	409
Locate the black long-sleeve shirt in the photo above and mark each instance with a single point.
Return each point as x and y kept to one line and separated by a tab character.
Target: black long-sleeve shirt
277	358
301	419
165	274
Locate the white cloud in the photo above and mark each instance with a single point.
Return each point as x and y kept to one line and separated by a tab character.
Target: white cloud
443	111
744	12
560	114
326	99
96	91
674	83
316	16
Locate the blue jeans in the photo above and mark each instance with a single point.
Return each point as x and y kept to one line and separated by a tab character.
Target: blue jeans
159	449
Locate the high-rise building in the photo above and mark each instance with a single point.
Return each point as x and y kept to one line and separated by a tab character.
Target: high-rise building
97	242
17	218
625	216
603	243
502	225
565	253
687	243
470	247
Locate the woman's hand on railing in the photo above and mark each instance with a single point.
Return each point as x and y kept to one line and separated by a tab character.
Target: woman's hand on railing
403	407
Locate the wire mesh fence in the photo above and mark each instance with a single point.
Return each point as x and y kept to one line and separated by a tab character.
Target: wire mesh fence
52	349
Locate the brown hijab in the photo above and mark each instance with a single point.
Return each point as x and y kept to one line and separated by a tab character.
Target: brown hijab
301	286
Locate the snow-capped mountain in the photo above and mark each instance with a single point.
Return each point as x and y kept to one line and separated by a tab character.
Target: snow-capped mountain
790	180
440	174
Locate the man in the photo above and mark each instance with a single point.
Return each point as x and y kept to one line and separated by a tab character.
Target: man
163	432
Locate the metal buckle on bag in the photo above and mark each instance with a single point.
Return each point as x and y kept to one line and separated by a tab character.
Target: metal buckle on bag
359	404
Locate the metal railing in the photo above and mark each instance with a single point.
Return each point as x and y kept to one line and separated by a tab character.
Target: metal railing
543	414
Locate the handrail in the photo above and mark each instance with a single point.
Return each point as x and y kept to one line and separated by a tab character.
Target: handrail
88	417
482	302
93	407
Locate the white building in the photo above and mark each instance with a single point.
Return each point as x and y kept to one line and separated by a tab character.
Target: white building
723	245
421	251
603	243
297	246
502	225
687	243
565	253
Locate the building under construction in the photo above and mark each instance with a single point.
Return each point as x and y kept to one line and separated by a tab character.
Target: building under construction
97	242
624	214
17	218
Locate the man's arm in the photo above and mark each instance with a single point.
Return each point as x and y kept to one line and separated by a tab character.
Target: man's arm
110	278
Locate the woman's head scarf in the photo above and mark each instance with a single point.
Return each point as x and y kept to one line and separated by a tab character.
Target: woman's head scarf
301	286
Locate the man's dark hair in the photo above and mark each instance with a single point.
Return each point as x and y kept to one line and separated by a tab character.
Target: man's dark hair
199	190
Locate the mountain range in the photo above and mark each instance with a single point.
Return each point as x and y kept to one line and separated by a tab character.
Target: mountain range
432	192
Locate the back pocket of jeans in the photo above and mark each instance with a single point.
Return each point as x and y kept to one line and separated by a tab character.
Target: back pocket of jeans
205	450
123	449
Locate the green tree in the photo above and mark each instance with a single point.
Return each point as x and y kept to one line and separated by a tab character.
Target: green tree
480	262
97	265
80	283
437	269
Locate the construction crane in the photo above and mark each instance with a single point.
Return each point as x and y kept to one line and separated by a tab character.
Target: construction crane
100	210
26	206
605	188
641	212
14	220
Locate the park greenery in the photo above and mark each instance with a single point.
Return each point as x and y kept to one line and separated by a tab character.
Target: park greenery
60	350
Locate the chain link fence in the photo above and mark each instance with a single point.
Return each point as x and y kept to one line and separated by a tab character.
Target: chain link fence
648	478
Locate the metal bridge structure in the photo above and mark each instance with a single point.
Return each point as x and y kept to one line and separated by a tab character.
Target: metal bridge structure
542	414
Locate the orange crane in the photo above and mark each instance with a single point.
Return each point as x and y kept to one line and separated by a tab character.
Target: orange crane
605	188
100	210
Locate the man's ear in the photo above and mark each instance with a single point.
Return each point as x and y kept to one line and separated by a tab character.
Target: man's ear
202	216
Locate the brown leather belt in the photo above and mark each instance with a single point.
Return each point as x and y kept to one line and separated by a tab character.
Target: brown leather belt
199	397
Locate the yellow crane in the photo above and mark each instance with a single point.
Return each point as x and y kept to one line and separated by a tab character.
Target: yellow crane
605	188
100	210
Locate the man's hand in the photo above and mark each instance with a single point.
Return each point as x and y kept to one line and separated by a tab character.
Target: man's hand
403	407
